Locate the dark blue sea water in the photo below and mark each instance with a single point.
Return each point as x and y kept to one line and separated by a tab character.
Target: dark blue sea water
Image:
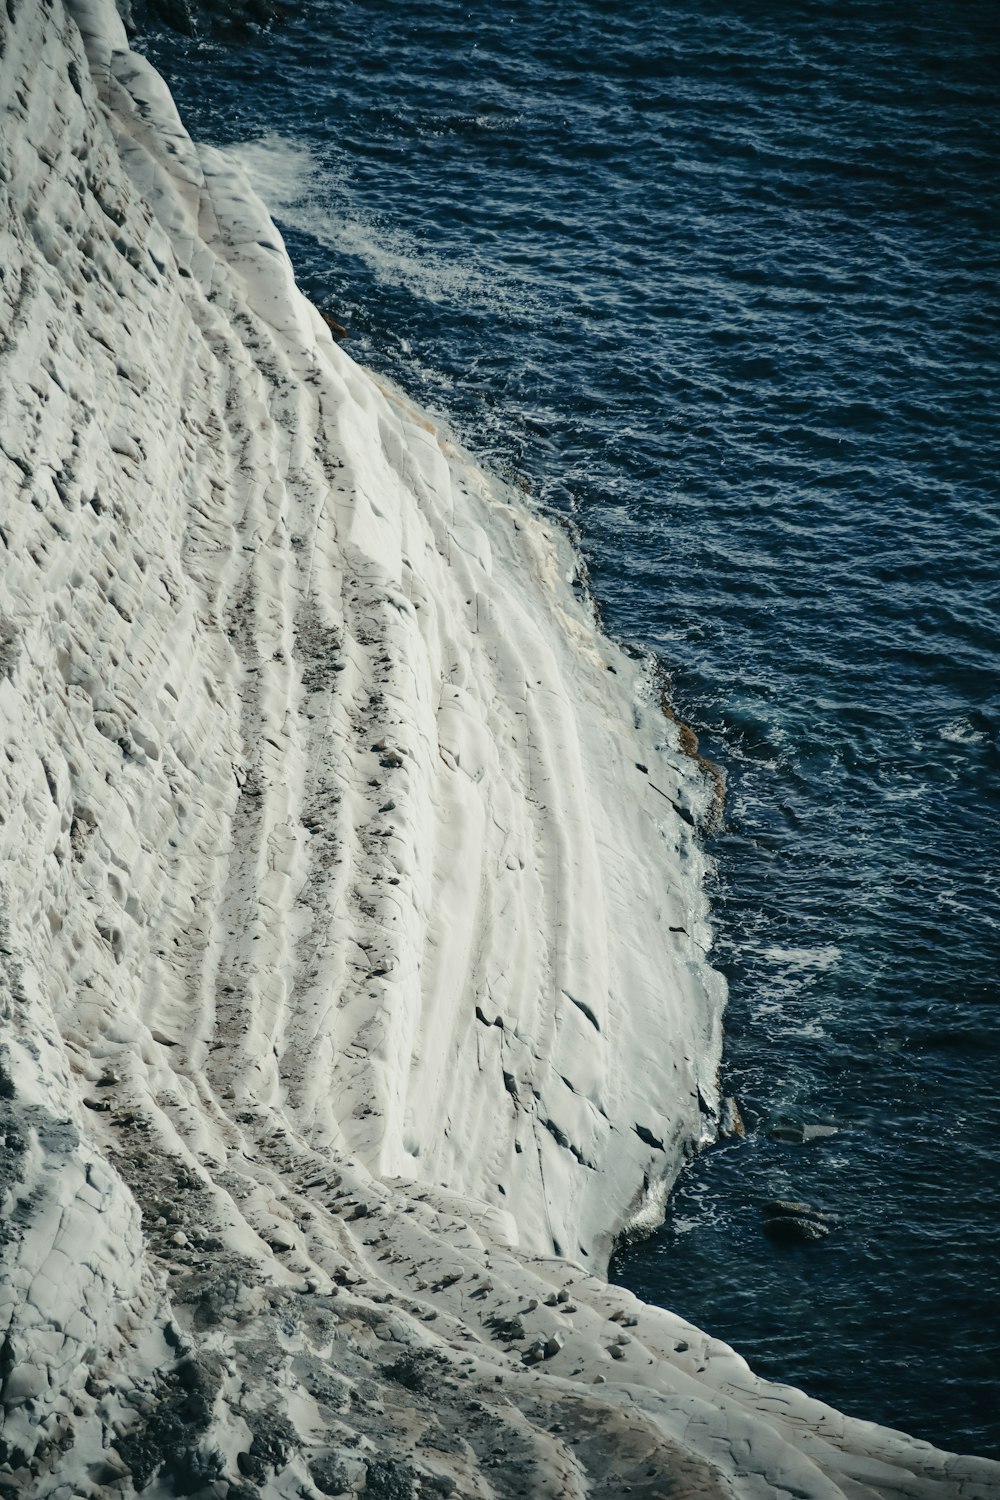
721	280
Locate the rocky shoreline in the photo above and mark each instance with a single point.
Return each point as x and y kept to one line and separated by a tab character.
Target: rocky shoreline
353	975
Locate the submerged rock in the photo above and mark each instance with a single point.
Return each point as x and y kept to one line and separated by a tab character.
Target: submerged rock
797	1133
794	1223
789	1208
790	1230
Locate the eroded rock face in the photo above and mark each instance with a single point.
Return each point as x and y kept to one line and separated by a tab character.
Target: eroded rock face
351	969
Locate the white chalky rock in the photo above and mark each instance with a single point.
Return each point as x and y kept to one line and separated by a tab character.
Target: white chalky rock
343	882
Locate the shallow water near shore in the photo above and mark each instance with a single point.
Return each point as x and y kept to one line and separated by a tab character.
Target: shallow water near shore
721	283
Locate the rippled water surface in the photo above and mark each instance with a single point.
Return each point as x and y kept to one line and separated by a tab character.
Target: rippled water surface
721	280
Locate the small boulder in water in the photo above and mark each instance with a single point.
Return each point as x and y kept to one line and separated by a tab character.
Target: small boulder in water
791	1223
789	1209
793	1231
797	1134
336	328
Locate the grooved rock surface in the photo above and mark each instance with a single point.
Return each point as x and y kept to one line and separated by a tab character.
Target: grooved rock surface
352	936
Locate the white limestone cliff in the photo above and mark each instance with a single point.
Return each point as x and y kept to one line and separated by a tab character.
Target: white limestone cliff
352	940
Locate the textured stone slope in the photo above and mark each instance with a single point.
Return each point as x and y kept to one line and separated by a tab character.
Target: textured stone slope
352	952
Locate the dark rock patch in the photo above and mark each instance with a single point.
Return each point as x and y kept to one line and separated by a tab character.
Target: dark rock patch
329	1476
415	1370
168	1441
274	1442
388	1479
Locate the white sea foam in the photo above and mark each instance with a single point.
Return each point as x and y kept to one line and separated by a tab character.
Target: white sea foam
317	199
801	960
813	1029
961	732
282	170
912	793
